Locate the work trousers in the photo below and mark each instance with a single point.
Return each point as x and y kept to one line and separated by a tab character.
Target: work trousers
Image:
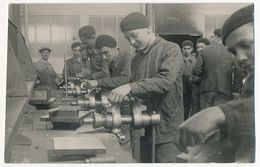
164	152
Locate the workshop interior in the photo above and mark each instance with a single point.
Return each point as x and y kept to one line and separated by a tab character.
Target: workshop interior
74	120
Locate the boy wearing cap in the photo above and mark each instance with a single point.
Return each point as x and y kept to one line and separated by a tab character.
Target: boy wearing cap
119	63
46	75
157	81
74	64
236	118
188	64
98	67
215	70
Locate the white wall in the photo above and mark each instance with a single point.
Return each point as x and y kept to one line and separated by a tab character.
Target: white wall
83	9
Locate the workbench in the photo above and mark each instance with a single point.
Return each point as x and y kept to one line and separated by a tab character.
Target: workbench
34	140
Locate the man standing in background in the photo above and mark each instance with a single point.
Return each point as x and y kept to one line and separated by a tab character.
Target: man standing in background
74	64
201	43
188	64
215	70
46	75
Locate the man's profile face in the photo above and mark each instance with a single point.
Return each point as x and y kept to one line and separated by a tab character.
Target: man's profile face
76	52
88	40
107	53
187	50
240	42
138	38
45	54
200	46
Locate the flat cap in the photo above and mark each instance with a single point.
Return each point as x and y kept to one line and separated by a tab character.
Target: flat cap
203	40
87	31
132	21
237	19
44	48
105	40
187	43
75	44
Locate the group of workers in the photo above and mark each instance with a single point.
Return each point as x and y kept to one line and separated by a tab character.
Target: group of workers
173	81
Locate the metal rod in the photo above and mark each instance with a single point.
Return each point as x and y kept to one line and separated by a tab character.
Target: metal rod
153	144
126	119
66	77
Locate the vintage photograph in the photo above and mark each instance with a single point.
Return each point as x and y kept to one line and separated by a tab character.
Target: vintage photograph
130	83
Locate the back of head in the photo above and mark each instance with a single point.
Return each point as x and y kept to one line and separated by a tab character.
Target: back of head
217	32
87	31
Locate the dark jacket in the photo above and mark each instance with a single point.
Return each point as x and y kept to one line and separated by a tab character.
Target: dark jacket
73	67
157	80
188	65
46	74
240	117
120	71
215	67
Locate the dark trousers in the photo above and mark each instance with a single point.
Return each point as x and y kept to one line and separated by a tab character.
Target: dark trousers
187	105
164	153
195	101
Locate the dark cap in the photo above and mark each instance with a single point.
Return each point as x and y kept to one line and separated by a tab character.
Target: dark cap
87	31
203	40
44	48
237	19
105	40
75	44
132	21
187	43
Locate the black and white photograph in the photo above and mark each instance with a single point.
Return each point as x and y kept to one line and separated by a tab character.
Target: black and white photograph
91	83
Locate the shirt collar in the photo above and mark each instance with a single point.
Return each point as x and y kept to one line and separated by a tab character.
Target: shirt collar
76	59
149	47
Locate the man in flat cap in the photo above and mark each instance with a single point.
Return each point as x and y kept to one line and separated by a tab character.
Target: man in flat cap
201	43
74	64
157	81
188	64
46	75
119	63
236	118
98	67
215	70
